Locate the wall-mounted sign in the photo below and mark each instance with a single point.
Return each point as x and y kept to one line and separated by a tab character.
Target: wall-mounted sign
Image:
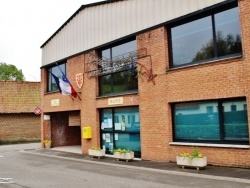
55	102
46	117
37	111
116	100
79	80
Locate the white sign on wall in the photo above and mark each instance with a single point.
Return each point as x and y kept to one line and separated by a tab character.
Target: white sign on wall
55	102
46	117
116	100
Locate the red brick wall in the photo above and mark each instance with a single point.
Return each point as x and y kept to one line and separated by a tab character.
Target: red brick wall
57	127
14	94
221	79
17	103
61	133
20	127
158	89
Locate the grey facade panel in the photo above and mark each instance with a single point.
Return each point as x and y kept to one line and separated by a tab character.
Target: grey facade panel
97	25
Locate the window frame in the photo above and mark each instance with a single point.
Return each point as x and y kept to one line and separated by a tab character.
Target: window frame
112	74
194	17
58	73
222	137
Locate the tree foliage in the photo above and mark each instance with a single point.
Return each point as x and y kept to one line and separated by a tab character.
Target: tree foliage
10	72
226	45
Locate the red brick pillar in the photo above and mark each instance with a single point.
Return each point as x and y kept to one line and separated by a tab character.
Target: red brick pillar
46	134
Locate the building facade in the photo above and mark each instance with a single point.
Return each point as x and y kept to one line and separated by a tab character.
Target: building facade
157	77
18	101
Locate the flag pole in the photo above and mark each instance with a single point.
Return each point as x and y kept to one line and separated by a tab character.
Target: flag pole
78	96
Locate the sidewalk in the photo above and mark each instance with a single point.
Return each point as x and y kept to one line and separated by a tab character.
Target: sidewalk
211	172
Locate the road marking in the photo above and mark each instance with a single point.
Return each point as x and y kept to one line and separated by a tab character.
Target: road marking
1	156
6	180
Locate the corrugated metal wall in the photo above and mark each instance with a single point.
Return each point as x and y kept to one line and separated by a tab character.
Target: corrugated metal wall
97	25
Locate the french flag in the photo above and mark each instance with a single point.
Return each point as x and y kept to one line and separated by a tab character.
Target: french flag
64	86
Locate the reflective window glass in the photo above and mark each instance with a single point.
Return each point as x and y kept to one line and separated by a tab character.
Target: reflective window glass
235	120
118	77
123	48
207	38
125	81
220	121
193	121
189	39
127	119
105	84
228	32
57	71
131	141
120	128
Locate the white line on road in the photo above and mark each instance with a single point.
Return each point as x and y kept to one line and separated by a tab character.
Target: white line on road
6	180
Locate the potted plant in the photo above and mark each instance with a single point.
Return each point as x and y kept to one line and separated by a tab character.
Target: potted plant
47	143
195	159
96	152
123	154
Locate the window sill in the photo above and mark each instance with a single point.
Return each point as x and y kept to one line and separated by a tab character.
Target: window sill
210	145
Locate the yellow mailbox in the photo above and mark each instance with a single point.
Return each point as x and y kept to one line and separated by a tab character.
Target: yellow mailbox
87	132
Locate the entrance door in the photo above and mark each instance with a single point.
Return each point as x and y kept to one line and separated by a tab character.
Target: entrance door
120	128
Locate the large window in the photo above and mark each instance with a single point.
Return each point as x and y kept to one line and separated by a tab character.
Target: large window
120	128
213	36
117	76
57	71
220	121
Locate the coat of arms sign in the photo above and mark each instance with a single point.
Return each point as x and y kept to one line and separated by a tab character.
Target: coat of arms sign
79	80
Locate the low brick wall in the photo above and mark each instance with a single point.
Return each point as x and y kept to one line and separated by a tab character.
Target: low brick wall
20	127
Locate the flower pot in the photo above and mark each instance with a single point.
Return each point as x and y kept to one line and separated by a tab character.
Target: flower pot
124	156
191	162
96	153
47	145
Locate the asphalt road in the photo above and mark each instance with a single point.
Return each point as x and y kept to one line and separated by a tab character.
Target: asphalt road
20	169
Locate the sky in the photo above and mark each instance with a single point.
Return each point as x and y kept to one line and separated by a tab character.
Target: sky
26	24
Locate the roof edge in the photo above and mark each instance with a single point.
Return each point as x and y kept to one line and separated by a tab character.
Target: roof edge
71	17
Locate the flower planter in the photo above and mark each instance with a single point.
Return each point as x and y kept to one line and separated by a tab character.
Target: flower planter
47	145
191	162
96	153
124	156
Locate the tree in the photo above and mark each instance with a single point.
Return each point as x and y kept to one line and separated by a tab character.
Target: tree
10	72
226	45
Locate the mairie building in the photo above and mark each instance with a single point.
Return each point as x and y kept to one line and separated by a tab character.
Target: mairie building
159	77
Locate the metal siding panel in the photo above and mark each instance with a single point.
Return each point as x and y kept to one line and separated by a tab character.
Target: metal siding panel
85	29
97	25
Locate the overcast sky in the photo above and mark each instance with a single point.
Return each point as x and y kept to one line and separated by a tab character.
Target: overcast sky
26	24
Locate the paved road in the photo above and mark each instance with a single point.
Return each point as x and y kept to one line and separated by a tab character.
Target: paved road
20	169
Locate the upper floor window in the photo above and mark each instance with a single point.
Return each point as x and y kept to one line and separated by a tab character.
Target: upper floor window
119	75
214	36
57	71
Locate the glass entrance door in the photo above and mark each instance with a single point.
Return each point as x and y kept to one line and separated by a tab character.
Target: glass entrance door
120	128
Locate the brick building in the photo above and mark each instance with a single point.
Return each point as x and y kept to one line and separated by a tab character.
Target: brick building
18	100
158	77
